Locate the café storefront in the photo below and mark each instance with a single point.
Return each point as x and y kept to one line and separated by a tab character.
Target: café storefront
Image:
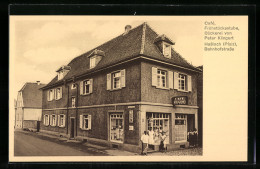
174	120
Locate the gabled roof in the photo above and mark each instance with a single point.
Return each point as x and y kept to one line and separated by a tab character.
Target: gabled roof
138	41
32	95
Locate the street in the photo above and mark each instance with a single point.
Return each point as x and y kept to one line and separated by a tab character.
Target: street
31	144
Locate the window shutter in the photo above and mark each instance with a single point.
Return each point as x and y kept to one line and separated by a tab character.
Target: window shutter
170	79
61	92
91	86
48	122
109	81
48	95
176	80
55	120
189	84
64	120
80	121
89	122
81	88
154	76
58	120
123	78
44	122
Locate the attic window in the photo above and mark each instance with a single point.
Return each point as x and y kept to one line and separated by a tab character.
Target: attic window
167	50
92	62
62	71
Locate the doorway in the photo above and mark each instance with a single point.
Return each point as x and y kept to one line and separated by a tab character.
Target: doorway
72	127
38	126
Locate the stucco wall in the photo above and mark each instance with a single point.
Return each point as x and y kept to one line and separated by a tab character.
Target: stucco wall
32	114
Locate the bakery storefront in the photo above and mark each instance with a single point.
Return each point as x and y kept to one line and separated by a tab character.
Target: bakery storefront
174	121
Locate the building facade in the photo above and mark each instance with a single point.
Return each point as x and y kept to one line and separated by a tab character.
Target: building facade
28	106
130	84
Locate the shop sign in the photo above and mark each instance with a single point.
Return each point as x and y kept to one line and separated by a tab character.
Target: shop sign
180	100
131	116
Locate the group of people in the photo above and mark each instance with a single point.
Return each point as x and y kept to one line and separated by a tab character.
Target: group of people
151	137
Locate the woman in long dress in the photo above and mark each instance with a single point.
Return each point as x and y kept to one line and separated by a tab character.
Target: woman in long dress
151	137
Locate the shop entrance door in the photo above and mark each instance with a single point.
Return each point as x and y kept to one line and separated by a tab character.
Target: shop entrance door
72	127
180	127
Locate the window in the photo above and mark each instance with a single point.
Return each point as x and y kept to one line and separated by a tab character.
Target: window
162	78
73	86
86	86
182	82
73	102
46	120
53	120
116	80
116	127
180	127
92	62
167	50
61	120
58	93
60	75
50	95
85	122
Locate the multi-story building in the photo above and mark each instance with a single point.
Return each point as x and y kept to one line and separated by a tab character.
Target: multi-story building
28	106
114	92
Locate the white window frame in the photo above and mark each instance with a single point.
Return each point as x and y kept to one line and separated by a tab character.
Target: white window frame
53	123
61	120
182	78
58	97
85	84
50	94
92	62
83	118
46	117
116	116
73	101
118	80
160	77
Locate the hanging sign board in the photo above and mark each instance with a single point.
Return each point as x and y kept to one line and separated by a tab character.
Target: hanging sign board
131	116
180	100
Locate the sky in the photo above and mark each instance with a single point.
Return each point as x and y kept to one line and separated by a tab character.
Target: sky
39	45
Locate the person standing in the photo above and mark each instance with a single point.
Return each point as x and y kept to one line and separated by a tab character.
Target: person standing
163	141
144	140
151	137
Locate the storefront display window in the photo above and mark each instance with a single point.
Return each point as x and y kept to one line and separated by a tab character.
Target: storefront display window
116	127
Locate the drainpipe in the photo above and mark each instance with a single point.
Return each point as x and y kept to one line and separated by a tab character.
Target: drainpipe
67	116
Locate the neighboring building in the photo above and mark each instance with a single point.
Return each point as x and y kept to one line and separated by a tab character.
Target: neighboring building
114	92
200	104
28	106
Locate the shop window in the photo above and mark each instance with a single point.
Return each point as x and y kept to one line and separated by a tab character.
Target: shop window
116	127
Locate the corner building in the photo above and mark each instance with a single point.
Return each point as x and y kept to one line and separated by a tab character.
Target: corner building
113	93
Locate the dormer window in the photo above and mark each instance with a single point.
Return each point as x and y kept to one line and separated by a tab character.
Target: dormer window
95	57
164	44
167	50
92	62
62	71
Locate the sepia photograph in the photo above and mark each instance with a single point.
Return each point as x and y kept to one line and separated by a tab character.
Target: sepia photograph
104	86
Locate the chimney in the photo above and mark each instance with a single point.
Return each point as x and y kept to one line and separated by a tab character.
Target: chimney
127	29
38	82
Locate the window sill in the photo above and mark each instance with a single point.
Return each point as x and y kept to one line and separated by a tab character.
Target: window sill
61	126
185	91
164	88
85	129
86	94
58	99
115	89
